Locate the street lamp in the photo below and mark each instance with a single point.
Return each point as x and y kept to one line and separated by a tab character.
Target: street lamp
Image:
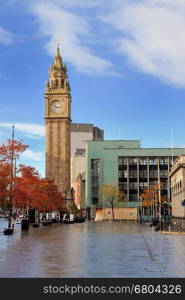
10	229
159	196
140	210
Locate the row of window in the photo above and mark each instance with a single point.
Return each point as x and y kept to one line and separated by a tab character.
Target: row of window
142	185
142	174
95	180
142	168
146	160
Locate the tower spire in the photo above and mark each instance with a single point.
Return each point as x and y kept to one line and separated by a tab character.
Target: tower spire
58	73
58	50
58	59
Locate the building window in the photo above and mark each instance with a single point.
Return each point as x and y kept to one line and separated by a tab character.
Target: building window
152	183
163	174
143	185
143	174
133	174
123	187
153	161
80	152
133	160
123	174
133	196
143	161
122	160
163	160
133	185
122	167
95	180
153	174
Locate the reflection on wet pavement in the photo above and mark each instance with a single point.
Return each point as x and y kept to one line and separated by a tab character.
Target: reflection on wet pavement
91	249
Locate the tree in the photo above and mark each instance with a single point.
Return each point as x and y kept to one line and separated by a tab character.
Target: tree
11	150
110	193
51	197
21	187
9	153
4	182
26	191
37	193
152	199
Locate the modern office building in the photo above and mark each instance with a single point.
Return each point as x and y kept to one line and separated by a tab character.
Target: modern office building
132	168
177	177
81	134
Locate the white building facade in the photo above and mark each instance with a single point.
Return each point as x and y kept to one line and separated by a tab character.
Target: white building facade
177	178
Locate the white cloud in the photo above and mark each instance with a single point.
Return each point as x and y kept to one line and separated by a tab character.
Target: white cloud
151	34
32	155
5	37
74	32
28	130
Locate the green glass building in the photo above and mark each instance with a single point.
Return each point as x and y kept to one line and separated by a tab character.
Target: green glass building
132	168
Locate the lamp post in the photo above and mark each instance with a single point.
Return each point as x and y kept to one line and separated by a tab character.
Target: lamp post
140	210
10	229
160	217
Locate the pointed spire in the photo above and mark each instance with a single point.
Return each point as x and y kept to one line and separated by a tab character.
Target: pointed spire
58	51
58	77
58	59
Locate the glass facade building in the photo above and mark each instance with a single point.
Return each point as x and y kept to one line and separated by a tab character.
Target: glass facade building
132	168
138	174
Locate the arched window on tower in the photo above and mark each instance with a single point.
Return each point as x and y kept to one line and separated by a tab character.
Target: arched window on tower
56	83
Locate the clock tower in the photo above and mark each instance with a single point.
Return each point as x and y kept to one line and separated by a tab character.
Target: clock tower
57	122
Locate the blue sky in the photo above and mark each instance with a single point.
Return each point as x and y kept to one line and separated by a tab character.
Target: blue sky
126	63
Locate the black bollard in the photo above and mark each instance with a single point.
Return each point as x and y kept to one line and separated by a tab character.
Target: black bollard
36	225
25	225
8	231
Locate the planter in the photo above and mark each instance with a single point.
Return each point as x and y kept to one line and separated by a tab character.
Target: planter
36	225
8	231
25	225
80	220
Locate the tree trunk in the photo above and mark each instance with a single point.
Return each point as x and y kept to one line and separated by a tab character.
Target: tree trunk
112	210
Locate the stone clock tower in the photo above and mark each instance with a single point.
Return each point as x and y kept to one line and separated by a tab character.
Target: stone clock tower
58	120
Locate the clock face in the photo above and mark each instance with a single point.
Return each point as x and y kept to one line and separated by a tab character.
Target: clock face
56	106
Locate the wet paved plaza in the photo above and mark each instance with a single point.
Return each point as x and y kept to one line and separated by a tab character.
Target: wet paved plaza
91	249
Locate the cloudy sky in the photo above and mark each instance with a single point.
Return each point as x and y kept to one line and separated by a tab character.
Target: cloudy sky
126	62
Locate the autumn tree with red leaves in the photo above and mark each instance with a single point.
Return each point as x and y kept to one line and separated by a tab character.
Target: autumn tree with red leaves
51	197
9	153
153	199
34	192
21	187
25	187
